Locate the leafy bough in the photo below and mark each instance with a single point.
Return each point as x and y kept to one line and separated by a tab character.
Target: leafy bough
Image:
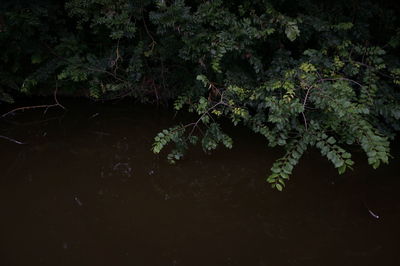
299	109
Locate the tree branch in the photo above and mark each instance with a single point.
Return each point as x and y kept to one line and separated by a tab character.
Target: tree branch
47	106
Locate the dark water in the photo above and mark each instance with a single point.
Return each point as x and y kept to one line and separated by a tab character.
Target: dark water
86	190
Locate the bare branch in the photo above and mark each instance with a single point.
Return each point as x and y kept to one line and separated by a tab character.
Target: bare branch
46	106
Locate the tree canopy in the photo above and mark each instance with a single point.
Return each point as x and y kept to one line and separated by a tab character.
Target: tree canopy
303	74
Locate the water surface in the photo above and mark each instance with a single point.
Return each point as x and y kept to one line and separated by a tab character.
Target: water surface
85	189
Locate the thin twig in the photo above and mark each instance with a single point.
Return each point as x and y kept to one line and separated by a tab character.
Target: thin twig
46	106
195	125
304	106
153	42
12	140
28	108
55	97
114	63
305	120
335	79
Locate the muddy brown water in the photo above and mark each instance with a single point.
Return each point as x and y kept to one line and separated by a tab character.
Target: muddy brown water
86	190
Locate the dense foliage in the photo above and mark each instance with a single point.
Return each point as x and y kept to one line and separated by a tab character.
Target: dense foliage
303	74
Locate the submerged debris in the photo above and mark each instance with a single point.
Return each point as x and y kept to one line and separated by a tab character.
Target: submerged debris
94	115
123	168
376	216
12	140
78	201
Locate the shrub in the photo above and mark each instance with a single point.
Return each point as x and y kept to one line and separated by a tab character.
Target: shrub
301	73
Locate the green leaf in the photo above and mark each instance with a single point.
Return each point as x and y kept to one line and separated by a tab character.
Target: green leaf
342	169
331	140
292	31
36	59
